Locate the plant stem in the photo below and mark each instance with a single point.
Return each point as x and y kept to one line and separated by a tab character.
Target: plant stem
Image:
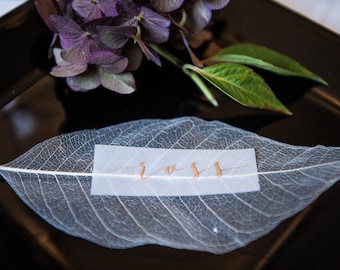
167	55
201	85
194	76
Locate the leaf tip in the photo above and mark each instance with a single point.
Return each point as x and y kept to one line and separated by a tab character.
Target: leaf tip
214	103
282	109
322	81
287	112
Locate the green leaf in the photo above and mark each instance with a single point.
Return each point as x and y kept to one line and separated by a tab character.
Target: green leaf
242	84
264	58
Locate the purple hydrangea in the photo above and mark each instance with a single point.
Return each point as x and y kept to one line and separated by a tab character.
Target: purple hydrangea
101	41
84	59
139	23
101	70
78	42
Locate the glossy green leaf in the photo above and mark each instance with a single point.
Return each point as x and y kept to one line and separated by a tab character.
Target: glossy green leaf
242	84
264	58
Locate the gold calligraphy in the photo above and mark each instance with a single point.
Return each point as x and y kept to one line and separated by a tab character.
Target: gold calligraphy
218	169
142	170
196	172
170	169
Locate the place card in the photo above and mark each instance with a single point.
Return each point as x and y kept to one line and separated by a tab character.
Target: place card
139	171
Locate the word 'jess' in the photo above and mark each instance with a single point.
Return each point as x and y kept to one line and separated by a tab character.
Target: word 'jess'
170	169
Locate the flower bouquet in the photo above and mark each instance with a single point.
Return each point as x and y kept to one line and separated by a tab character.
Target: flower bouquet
102	42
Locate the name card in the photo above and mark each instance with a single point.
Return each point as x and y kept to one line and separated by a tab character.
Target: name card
138	171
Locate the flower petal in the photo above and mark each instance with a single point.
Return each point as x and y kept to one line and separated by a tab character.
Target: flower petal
86	81
166	6
133	52
115	37
199	15
57	57
68	71
216	4
123	83
127	8
155	28
104	58
79	53
154	17
66	27
108	7
117	67
112	62
87	9
64	68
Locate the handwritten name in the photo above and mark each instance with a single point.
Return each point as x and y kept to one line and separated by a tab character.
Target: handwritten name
171	169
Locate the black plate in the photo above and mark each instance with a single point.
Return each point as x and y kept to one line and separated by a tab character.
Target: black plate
36	106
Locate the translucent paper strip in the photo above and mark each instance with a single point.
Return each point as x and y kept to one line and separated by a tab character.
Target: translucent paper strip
140	171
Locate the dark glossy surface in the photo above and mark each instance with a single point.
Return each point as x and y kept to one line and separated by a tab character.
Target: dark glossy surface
310	240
